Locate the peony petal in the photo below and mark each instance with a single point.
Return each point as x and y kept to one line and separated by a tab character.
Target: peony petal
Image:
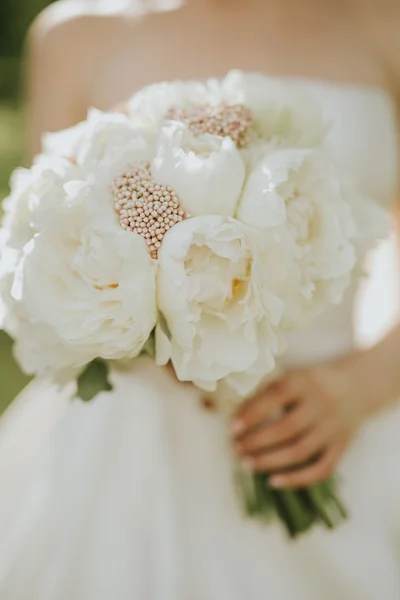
207	172
203	263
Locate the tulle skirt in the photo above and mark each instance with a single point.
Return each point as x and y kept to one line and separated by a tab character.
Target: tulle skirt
131	497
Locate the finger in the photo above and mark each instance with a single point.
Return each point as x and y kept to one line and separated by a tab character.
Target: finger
265	406
290	426
312	474
296	453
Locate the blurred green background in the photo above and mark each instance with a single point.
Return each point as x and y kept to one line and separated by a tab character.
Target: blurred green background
15	19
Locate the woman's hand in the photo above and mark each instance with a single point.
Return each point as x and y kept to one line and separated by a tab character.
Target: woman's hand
322	409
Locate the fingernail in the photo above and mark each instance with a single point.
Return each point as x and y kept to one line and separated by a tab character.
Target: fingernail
277	482
237	426
247	463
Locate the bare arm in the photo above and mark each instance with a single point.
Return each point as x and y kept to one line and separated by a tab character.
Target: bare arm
383	361
384	358
55	93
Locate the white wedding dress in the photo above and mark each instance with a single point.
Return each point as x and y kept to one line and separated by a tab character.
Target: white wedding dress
131	497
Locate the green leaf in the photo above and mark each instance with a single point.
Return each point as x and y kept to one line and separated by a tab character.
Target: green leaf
93	380
150	346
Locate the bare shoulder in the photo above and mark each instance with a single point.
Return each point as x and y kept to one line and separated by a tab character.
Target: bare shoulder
381	19
73	23
57	18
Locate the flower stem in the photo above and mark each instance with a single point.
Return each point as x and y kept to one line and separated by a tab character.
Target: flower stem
298	510
292	506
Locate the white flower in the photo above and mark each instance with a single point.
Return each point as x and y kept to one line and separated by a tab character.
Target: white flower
150	105
86	288
373	221
298	200
221	320
206	171
61	212
286	113
9	312
99	140
40	351
33	192
65	142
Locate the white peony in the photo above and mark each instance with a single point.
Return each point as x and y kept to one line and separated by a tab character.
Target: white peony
297	199
34	192
285	113
99	140
10	313
221	320
206	171
40	351
61	216
372	220
87	290
65	142
150	105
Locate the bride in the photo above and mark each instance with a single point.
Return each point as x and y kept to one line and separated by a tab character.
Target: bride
130	497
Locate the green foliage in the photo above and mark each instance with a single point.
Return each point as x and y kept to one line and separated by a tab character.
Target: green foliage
15	19
11	149
10	78
11	143
12	381
150	346
93	380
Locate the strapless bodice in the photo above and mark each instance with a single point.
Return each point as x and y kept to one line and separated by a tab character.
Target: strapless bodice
363	142
363	135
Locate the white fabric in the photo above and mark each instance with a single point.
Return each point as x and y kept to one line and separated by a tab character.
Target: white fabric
131	496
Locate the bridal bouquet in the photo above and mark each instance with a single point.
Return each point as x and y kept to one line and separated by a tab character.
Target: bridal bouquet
199	227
